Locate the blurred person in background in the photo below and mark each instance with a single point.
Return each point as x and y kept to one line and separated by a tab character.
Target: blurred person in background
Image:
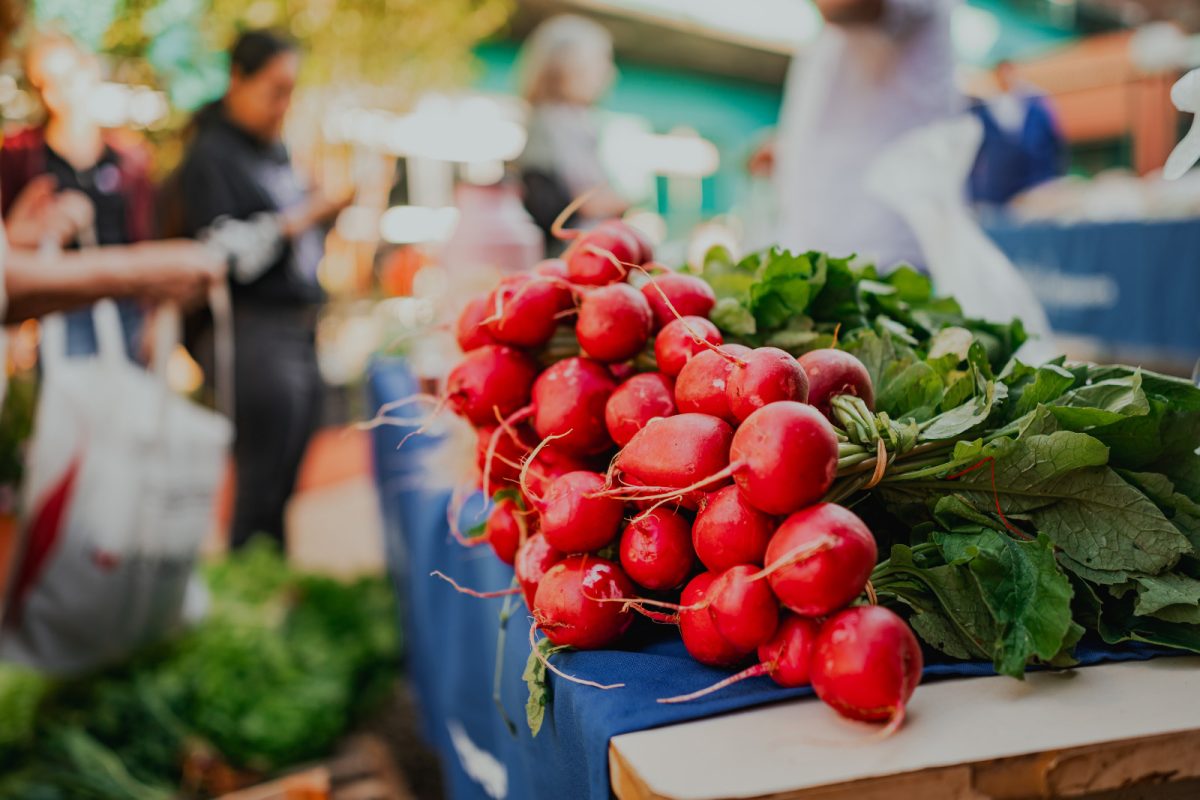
879	69
1022	144
37	282
102	185
566	67
237	186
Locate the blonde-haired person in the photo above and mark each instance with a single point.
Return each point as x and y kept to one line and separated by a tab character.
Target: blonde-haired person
566	66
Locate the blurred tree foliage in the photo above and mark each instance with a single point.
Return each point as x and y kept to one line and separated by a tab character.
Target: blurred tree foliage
400	46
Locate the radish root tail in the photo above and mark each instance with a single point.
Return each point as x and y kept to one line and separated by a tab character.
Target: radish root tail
750	672
472	592
551	668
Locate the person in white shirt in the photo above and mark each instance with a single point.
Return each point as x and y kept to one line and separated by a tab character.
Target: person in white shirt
879	69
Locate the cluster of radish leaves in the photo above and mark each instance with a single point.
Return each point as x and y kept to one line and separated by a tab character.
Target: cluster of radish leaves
1025	507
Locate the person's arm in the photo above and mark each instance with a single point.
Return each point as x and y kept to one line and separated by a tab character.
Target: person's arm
850	12
897	17
178	271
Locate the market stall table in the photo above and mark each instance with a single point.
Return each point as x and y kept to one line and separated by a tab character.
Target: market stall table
1057	734
476	721
1131	287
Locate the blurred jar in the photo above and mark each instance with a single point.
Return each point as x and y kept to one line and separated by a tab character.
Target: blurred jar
494	236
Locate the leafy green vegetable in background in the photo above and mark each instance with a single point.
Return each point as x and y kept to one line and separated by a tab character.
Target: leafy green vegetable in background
279	669
1032	505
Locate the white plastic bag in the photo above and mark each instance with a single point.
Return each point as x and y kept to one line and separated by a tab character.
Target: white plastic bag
119	494
923	178
1186	96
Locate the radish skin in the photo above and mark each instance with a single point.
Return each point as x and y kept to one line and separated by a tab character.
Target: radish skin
505	530
728	531
568	605
574	519
690	296
767	375
676	452
835	372
830	578
682	339
533	559
785	455
522	311
703	384
469	330
656	550
743	608
569	399
700	635
636	402
614	323
490	380
866	663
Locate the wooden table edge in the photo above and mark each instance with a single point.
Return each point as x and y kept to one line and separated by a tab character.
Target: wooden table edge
1065	773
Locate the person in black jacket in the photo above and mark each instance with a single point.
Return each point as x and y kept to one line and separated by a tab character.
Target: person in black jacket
237	187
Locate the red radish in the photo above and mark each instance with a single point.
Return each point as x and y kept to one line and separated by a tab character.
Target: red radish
700	635
866	663
656	550
598	257
533	559
637	401
568	604
510	450
702	385
556	270
729	531
545	466
504	530
614	323
690	296
489	380
784	657
469	330
785	456
827	580
767	375
522	311
575	521
569	399
742	607
788	654
676	452
676	343
645	249
552	268
833	372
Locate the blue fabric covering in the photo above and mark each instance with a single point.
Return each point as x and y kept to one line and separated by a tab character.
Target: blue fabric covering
451	644
1131	285
1011	161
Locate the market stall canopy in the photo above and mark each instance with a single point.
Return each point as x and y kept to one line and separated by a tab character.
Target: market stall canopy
754	39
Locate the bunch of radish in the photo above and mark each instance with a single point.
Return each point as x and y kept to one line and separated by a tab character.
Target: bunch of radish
662	472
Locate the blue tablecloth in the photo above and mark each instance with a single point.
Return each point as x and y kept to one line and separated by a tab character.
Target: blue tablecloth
1131	285
451	642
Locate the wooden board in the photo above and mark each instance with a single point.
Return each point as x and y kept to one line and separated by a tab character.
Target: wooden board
1061	734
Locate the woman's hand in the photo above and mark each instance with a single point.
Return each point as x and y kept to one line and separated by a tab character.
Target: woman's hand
42	214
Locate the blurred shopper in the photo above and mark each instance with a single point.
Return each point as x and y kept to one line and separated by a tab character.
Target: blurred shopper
1022	144
238	186
566	67
879	69
104	187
